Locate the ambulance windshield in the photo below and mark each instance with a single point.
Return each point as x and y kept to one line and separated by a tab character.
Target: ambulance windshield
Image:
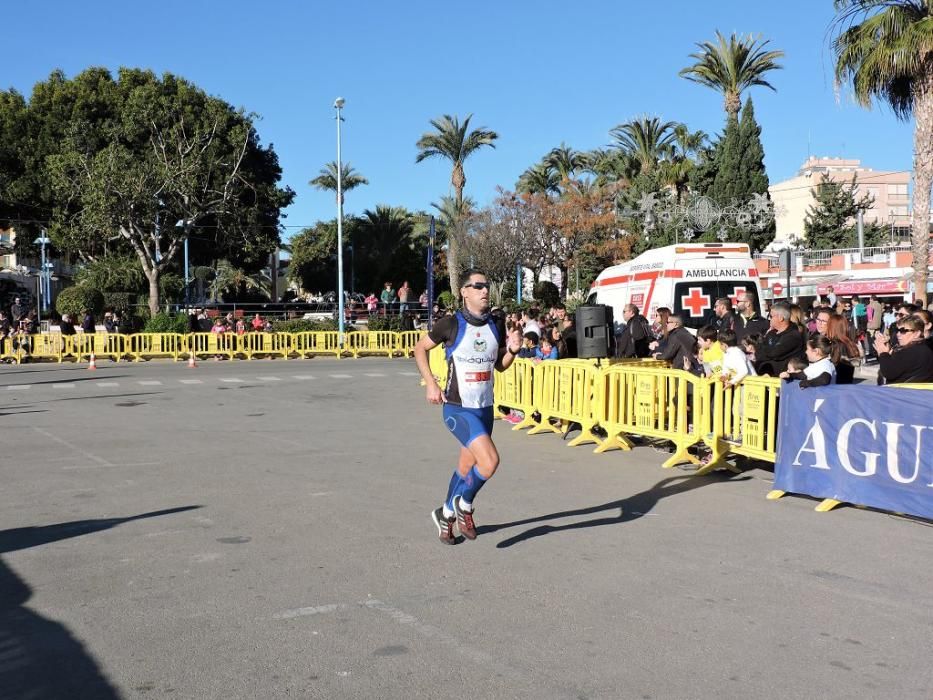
695	300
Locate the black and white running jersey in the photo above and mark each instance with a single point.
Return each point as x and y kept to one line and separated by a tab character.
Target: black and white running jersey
472	350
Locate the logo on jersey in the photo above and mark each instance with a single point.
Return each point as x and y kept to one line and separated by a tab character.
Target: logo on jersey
480	345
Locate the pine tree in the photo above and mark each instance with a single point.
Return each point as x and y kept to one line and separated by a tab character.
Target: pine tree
732	173
830	220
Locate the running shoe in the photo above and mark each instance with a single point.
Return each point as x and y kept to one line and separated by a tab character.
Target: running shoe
445	526
464	520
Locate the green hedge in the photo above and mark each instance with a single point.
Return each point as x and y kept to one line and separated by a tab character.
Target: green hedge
74	300
164	323
299	325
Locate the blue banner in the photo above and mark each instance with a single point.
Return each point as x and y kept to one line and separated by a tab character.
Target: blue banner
865	445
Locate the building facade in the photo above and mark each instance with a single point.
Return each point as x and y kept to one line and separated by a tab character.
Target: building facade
793	198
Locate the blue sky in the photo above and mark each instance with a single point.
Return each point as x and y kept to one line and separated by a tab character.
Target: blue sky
539	73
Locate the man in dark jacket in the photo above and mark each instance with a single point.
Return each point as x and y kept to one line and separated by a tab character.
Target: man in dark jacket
635	337
782	343
681	344
749	321
725	319
87	324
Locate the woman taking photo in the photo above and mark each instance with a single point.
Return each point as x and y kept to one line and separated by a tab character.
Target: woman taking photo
911	360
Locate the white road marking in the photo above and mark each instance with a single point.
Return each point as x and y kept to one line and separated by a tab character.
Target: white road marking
108	384
17	387
94	458
302	376
190	381
341	376
374	374
150	382
232	380
268	379
63	386
316	610
101	466
409	374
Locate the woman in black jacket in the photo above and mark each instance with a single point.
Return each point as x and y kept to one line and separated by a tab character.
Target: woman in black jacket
911	361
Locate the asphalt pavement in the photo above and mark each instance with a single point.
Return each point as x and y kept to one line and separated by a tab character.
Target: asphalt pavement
261	530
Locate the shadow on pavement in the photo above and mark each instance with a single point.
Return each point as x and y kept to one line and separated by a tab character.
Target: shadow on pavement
625	509
39	658
26	537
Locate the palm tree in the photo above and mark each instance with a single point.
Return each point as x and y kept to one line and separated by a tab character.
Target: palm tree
228	277
680	159
732	66
610	165
566	161
540	178
349	179
885	49
455	142
385	238
645	138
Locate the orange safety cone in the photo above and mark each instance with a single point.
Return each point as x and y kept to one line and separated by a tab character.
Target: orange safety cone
192	362
93	364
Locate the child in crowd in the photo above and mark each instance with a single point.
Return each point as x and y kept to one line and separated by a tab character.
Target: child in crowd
750	345
529	345
711	352
546	350
820	371
735	364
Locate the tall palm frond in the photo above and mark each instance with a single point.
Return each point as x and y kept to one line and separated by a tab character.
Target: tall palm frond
349	178
731	66
646	139
884	50
565	161
455	142
540	178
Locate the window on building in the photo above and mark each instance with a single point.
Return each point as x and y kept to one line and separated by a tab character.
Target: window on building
897	190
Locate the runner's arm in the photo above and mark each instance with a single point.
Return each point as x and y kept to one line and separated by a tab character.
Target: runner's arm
433	392
507	355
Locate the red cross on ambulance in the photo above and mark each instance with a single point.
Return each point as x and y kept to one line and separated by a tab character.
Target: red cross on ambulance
696	301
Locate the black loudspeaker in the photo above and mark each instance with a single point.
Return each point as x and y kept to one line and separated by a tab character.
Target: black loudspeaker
594	331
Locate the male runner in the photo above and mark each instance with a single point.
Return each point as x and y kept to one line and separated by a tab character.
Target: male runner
474	346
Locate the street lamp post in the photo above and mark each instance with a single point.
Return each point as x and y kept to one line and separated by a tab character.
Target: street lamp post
42	302
338	105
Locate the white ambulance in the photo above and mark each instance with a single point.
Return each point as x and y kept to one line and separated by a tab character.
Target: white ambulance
686	278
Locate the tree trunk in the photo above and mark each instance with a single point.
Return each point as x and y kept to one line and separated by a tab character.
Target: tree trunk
453	262
732	104
153	277
923	178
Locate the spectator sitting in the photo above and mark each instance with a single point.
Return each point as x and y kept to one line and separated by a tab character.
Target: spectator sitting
820	371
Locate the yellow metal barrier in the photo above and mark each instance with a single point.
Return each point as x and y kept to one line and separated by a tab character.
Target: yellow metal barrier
10	351
83	345
146	346
650	402
437	360
310	343
373	343
566	390
269	344
514	389
48	346
742	419
408	340
211	345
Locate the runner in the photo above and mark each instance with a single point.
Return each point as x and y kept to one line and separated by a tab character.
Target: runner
474	347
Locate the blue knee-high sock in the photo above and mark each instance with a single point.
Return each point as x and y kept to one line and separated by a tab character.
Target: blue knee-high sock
470	486
455	481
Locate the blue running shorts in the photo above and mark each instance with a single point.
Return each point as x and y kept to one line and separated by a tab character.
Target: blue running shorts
467	424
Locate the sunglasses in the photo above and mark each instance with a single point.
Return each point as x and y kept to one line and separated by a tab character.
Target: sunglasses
905	330
477	285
